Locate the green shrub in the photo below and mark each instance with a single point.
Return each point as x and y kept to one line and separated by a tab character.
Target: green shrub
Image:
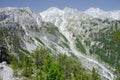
42	65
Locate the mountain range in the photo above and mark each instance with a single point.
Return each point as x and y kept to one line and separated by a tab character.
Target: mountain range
92	36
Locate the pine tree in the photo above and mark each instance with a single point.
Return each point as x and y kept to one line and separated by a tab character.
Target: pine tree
95	75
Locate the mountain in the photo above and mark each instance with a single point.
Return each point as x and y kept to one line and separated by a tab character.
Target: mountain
90	36
98	13
91	32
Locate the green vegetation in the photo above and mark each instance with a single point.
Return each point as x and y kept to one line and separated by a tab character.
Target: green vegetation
4	52
108	48
3	34
87	42
64	38
39	40
51	28
117	72
7	36
95	75
80	46
41	65
66	45
25	51
117	37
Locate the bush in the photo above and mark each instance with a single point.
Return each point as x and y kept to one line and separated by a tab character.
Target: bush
41	65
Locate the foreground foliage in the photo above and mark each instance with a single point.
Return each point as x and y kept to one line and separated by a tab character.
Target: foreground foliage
41	65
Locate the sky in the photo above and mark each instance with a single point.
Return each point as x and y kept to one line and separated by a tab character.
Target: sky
41	5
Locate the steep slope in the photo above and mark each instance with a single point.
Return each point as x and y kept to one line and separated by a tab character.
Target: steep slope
88	35
83	31
23	29
16	26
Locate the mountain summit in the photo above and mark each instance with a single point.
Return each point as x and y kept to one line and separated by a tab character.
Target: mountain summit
90	36
93	12
98	13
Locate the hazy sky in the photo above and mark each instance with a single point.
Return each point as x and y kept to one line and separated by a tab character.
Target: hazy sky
41	5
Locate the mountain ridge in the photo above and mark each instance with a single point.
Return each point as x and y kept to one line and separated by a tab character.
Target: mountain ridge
68	31
93	12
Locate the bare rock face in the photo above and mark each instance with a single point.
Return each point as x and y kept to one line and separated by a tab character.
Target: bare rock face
6	73
69	31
